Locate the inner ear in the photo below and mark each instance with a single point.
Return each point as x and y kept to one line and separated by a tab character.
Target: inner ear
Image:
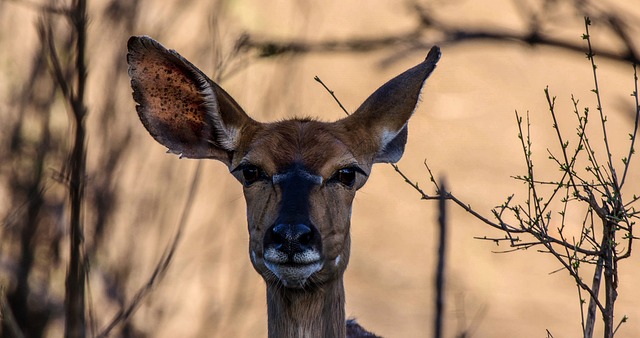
392	149
180	106
379	125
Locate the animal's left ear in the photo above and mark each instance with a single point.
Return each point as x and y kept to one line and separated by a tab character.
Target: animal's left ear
379	126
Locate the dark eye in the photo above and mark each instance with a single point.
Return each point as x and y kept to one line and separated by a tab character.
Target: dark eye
346	176
251	174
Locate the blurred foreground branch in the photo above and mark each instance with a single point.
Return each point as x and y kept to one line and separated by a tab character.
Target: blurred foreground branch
126	311
73	90
429	29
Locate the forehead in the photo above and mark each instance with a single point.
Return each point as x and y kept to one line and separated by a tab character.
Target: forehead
317	146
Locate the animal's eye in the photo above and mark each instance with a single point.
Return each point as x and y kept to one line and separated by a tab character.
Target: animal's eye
346	176
252	174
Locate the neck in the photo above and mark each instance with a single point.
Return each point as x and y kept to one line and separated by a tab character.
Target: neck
314	312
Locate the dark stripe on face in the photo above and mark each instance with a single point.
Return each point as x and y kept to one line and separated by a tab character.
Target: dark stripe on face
296	184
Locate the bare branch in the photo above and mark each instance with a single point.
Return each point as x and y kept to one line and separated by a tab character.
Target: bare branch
6	316
429	30
162	267
332	94
634	134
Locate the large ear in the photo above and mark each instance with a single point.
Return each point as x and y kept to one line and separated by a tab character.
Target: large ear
180	106
380	124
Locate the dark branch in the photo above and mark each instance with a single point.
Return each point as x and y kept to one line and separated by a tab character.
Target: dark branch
429	30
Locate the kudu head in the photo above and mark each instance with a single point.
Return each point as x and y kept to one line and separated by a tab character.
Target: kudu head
299	176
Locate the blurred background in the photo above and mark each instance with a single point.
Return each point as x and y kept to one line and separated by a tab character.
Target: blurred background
498	56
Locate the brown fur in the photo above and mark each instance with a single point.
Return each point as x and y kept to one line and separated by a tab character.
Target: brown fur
191	115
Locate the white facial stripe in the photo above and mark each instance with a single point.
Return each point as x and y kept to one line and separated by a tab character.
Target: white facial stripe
315	179
277	178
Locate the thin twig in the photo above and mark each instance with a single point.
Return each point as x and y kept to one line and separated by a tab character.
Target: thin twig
596	90
332	94
163	265
634	135
623	320
395	166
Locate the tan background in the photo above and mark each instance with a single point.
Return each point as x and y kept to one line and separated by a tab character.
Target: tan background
465	126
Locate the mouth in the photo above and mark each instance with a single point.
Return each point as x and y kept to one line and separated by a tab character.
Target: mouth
293	271
293	275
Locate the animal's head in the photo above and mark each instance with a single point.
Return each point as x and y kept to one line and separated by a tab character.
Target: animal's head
299	176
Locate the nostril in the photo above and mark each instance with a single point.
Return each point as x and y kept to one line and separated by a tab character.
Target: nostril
291	236
279	233
305	235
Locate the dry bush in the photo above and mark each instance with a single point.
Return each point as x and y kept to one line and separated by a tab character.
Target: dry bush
135	196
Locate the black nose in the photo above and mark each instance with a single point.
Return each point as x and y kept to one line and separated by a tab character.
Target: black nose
291	238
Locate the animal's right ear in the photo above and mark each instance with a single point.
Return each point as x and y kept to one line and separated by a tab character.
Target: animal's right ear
180	106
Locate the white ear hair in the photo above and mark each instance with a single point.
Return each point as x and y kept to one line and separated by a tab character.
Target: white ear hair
384	115
392	145
180	106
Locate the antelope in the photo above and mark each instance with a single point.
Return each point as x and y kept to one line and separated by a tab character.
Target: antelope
299	176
